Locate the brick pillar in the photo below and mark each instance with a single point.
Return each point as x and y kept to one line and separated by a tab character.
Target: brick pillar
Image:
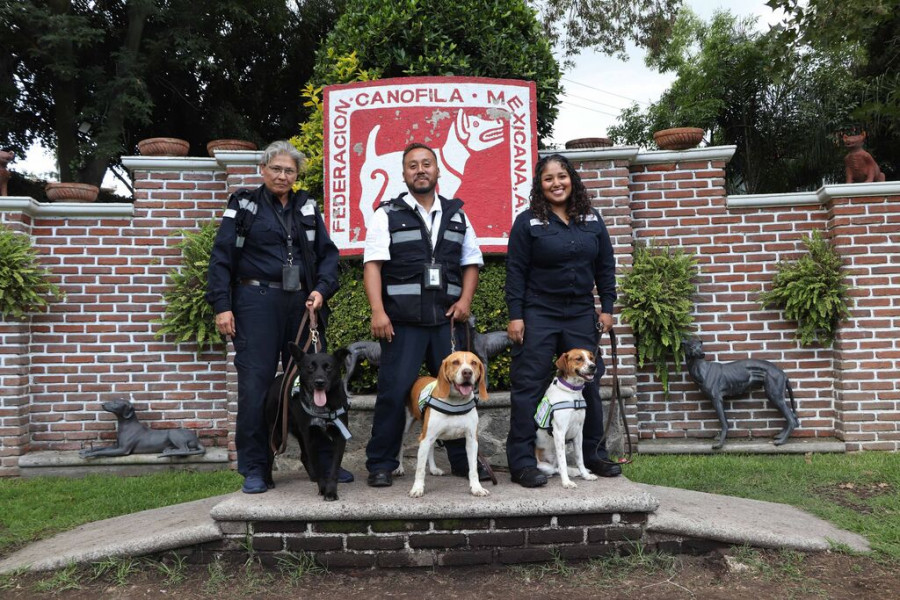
15	337
864	225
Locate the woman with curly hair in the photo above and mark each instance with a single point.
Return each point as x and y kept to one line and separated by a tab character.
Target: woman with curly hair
559	251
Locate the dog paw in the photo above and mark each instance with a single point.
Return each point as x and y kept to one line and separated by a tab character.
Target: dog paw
479	491
417	491
330	497
399	472
436	472
588	476
569	485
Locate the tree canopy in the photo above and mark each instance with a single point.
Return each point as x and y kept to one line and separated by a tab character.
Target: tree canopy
91	78
782	112
397	38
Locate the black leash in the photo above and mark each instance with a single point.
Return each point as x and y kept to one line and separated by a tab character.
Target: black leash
481	460
284	393
615	400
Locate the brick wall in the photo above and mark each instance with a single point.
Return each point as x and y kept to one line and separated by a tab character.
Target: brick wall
111	261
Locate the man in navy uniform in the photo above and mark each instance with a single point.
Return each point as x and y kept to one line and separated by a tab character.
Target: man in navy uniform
421	270
271	261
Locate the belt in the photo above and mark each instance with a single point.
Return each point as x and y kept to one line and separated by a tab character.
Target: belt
256	282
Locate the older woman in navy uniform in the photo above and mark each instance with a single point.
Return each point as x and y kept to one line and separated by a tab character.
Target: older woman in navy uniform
420	272
271	261
559	250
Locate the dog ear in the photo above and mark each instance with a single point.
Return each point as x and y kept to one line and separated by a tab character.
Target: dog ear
482	389
341	355
128	411
296	351
442	389
562	363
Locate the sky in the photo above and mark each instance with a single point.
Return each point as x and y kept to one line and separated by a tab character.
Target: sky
596	88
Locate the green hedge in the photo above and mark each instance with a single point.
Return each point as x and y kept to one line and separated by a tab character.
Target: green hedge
350	318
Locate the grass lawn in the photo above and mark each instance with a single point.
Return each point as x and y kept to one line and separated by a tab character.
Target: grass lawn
857	492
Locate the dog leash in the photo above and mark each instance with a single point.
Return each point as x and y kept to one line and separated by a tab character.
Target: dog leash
284	393
616	400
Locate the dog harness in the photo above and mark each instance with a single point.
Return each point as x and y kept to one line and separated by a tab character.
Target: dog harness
543	416
322	418
426	399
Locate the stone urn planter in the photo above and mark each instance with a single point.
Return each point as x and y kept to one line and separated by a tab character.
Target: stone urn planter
214	145
163	147
591	142
678	138
71	192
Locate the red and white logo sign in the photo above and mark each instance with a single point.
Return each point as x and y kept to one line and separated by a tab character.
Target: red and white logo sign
483	131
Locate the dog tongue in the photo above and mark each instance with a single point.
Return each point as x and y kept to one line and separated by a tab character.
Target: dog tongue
319	397
464	388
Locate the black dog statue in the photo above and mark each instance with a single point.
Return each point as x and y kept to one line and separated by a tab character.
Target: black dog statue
317	414
724	380
484	345
133	437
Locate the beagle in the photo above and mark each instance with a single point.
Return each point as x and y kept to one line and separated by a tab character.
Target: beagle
446	407
560	416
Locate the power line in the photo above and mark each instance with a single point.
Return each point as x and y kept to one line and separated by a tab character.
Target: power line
602	112
591	100
596	89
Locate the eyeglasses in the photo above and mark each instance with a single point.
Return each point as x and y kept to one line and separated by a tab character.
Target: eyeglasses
279	170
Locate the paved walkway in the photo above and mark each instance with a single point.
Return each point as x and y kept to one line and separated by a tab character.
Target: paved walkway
678	512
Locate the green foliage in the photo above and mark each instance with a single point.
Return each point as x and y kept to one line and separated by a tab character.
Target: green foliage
656	302
339	69
811	292
731	80
194	69
189	317
24	283
467	37
350	319
578	24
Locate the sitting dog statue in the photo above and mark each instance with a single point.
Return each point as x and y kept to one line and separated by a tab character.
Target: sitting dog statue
859	166
317	414
560	417
446	406
724	380
133	437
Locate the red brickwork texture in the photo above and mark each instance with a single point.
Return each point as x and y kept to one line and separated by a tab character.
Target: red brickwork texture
101	342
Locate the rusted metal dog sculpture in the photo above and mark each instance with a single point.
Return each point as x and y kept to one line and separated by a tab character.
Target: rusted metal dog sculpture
133	437
724	380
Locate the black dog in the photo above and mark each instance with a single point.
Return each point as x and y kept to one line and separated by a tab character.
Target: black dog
317	414
135	437
718	381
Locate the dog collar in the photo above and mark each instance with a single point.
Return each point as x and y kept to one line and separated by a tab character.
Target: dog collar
332	417
567	385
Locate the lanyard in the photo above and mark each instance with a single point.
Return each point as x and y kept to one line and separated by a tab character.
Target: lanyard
287	226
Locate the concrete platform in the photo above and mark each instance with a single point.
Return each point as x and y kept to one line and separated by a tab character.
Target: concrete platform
446	527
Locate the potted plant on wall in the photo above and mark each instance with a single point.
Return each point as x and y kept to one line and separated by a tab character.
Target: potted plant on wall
229	144
163	146
71	192
678	138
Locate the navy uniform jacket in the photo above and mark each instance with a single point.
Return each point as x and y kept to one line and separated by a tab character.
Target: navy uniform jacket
264	251
555	259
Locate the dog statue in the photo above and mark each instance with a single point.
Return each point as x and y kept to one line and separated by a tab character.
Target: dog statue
446	406
560	417
723	380
859	166
357	351
133	437
317	414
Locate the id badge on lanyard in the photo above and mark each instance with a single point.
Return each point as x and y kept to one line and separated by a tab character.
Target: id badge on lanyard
290	273
433	278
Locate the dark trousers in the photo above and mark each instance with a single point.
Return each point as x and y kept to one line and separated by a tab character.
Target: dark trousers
552	326
400	362
266	319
